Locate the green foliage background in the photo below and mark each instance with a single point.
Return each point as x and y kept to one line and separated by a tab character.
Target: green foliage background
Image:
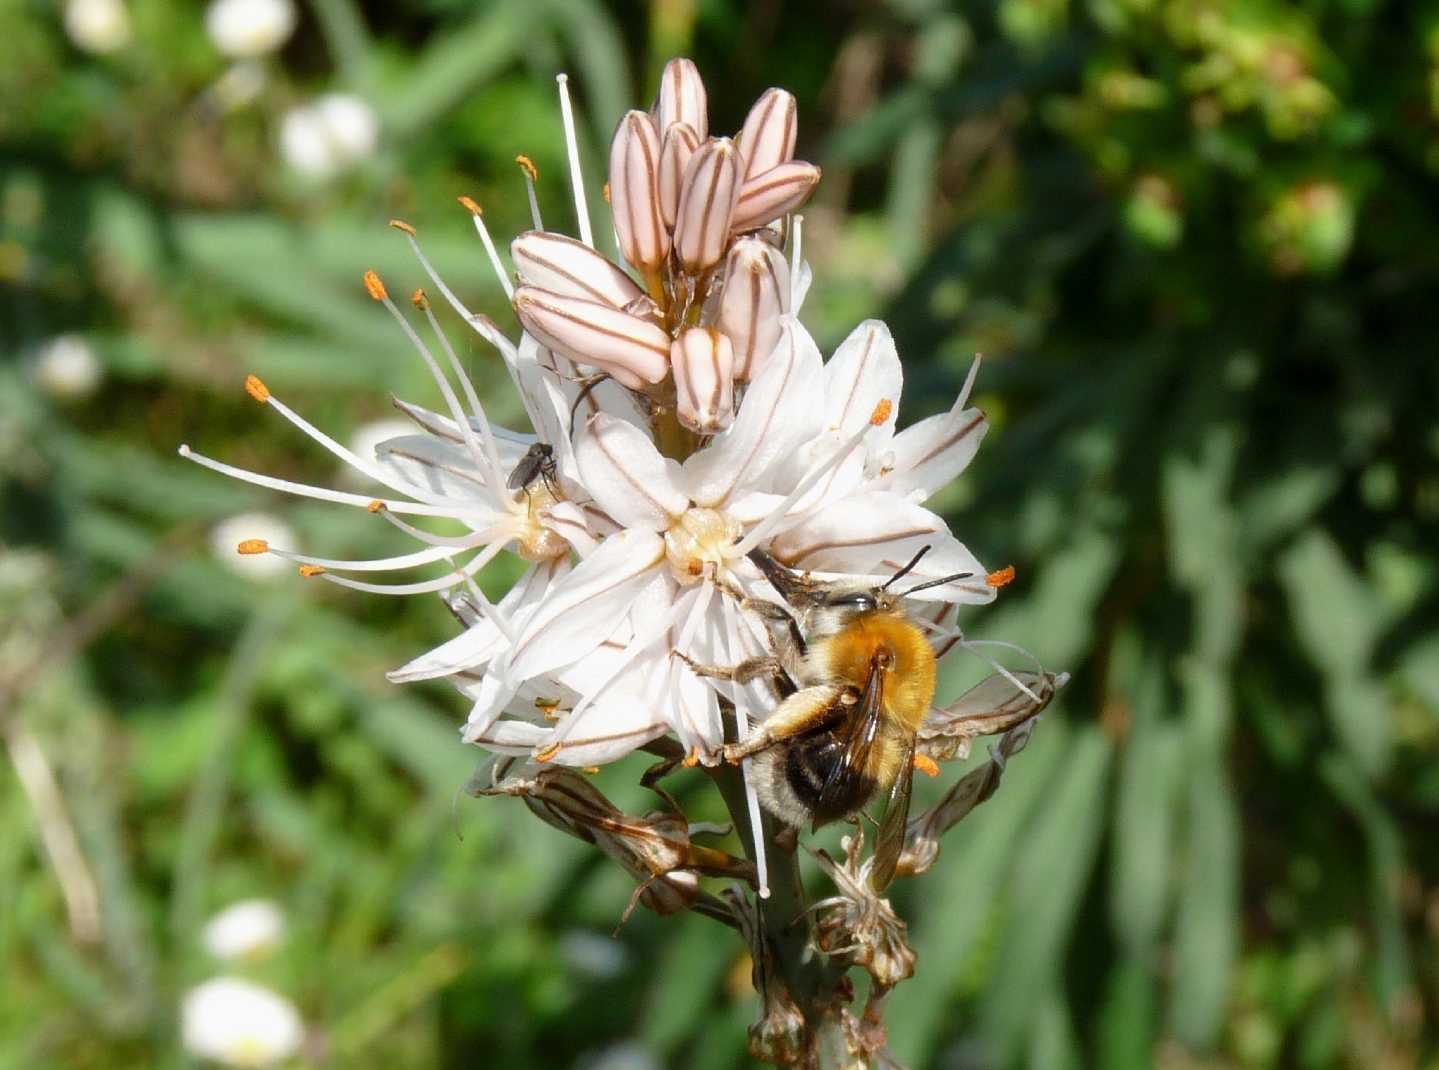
1198	244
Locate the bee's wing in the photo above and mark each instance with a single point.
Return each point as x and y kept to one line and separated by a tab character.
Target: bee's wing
858	740
890	842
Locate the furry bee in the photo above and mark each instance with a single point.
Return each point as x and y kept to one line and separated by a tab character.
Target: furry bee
856	678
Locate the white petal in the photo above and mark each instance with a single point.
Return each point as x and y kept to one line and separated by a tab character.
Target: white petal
582	608
863	372
607	730
628	478
474	646
511	444
927	455
873	535
777	416
493	696
437	466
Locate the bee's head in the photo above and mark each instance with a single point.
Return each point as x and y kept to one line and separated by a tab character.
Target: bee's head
842	603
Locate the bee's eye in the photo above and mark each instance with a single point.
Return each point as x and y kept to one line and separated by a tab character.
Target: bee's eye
860	600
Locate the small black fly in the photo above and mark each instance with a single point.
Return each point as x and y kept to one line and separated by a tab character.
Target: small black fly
537	463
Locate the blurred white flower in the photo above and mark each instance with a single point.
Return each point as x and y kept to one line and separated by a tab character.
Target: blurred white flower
239	85
98	26
241	543
239	1023
247	929
243	28
66	368
328	135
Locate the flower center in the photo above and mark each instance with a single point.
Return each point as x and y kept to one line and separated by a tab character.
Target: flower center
536	540
698	538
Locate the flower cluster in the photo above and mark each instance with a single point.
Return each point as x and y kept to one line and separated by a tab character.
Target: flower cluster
686	417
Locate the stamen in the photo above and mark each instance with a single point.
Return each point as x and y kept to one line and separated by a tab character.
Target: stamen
482	325
400	224
577	184
455	541
253	546
490	250
970	644
1002	578
881	412
311	570
354	460
375	287
742	728
795	248
532	175
780	512
496	478
487	434
383	564
490	610
926	765
256	389
479	561
324	494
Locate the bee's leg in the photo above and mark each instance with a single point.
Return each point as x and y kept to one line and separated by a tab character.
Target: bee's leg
771	611
801	712
747	671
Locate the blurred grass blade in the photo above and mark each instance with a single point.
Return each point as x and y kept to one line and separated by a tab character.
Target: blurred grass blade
1055	856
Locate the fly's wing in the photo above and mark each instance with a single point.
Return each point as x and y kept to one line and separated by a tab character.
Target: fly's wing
844	783
890	842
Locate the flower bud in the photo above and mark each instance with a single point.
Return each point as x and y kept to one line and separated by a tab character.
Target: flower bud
680	142
755	295
707	202
681	98
767	139
703	362
561	265
634	191
774	193
634	351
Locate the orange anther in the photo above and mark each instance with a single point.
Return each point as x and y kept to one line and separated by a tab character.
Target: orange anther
1001	578
592	769
375	286
311	570
253	546
376	506
419	300
529	167
400	224
691	759
926	765
470	204
881	412
606	193
256	389
545	754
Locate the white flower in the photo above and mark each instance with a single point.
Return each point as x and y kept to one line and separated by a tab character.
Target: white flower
640	491
98	26
239	1023
66	368
328	135
247	929
244	28
242	543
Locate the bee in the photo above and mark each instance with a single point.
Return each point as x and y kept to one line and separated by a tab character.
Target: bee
537	463
856	678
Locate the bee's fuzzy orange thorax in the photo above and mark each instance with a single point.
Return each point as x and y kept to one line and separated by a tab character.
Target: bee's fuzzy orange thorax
909	679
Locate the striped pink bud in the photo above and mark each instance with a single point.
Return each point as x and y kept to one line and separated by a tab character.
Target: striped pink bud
707	201
679	144
767	139
703	362
562	265
631	349
755	296
634	191
775	193
681	98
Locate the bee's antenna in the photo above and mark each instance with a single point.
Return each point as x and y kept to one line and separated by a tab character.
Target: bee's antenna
934	583
910	567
